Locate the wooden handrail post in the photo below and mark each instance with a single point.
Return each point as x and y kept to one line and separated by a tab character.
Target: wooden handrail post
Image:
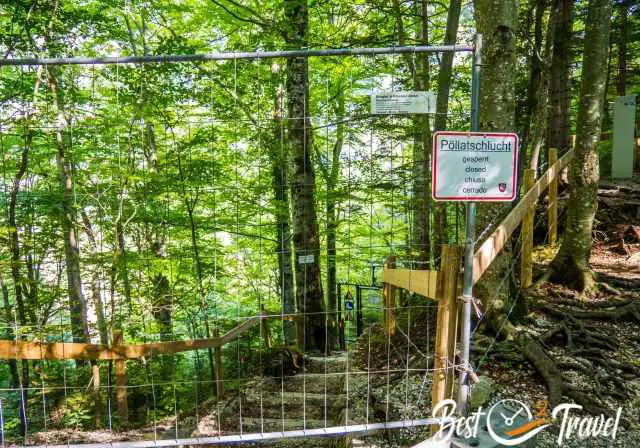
121	382
389	296
553	200
265	331
219	373
443	375
526	261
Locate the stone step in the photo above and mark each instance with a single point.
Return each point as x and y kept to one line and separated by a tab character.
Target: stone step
331	383
257	425
330	364
290	404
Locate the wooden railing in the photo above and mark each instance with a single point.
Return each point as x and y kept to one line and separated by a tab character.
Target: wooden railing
120	353
444	284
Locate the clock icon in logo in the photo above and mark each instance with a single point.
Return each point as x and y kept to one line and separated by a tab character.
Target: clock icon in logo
511	423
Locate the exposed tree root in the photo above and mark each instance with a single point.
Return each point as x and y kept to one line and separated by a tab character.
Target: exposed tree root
625	310
551	371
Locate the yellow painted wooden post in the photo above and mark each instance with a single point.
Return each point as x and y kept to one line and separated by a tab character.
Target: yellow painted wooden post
389	296
121	382
219	372
443	375
526	262
553	200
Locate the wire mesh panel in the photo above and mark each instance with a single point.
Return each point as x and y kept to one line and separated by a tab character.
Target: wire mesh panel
150	216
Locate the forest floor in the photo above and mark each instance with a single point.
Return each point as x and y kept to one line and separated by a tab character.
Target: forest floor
594	342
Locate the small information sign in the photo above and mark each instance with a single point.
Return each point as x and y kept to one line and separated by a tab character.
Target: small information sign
474	166
385	103
305	259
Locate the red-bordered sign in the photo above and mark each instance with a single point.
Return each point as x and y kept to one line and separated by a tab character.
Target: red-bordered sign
474	166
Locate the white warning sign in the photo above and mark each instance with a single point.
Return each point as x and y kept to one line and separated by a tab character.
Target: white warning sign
474	166
384	103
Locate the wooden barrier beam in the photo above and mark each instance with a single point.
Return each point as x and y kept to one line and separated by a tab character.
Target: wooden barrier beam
492	246
73	350
443	376
552	210
420	282
526	235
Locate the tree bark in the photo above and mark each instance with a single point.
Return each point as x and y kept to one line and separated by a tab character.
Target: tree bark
559	124
497	21
571	265
623	38
309	296
13	364
279	158
420	247
536	64
331	173
77	302
538	119
163	300
442	110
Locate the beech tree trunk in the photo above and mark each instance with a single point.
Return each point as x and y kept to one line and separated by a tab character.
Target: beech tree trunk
420	243
442	110
538	119
623	38
306	242
497	21
279	158
77	302
538	7
571	265
330	170
162	297
559	123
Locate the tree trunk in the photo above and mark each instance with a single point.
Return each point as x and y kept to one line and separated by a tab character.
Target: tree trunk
190	201
77	303
623	29
25	314
559	125
422	152
163	300
442	110
13	364
103	328
332	218
279	158
571	265
538	119
536	64
309	297
497	21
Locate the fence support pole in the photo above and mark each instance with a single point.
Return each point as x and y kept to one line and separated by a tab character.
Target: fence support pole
389	299
526	262
467	290
553	200
121	382
443	375
219	374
